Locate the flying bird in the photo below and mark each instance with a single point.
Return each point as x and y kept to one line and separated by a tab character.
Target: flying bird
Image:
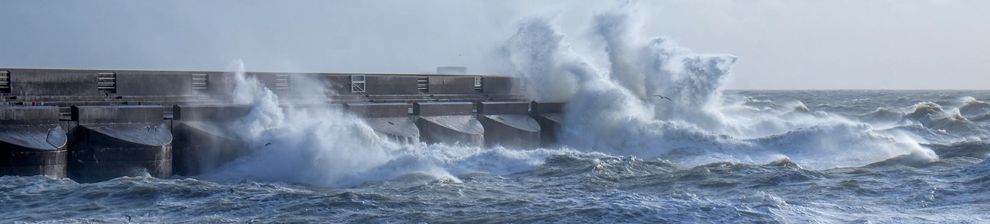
664	98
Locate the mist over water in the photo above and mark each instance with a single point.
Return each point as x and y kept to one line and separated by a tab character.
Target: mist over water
649	136
656	98
329	147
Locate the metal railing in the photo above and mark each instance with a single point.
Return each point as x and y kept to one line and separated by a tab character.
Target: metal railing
358	84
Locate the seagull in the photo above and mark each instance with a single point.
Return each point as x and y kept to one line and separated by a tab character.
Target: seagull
664	98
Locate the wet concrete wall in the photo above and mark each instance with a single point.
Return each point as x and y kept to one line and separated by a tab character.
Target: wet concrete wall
390	120
35	82
135	85
153	83
449	123
499	86
112	123
549	116
451	85
509	124
32	142
394	85
115	141
203	137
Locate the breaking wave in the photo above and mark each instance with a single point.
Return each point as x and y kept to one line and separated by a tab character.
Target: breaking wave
653	99
657	99
326	146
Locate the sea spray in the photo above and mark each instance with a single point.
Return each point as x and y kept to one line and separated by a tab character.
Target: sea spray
658	99
548	68
301	145
327	146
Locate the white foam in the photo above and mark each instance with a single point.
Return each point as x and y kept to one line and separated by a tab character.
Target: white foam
626	111
330	147
617	110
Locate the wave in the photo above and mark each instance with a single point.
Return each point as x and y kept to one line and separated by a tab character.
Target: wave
972	108
883	115
653	99
333	148
934	117
616	109
983	118
971	149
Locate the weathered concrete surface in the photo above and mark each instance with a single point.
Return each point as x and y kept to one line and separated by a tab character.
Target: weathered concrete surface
335	84
508	124
443	108
372	110
391	120
48	82
43	137
499	86
511	130
130	83
451	85
153	83
95	129
216	113
398	129
115	141
549	116
32	142
449	123
118	114
201	147
453	130
28	114
203	139
106	151
504	107
391	85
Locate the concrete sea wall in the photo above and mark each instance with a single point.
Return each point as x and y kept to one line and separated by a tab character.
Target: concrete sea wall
32	142
508	124
120	140
93	125
449	123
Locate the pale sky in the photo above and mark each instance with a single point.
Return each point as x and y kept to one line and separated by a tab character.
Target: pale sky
781	44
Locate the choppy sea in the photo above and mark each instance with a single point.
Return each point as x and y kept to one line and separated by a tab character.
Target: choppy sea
823	157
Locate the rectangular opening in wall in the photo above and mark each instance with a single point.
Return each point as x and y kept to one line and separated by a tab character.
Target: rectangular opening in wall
5	82
423	84
478	82
281	82
65	113
106	82
168	113
200	82
358	84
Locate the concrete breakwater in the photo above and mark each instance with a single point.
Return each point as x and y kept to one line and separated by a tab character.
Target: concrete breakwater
93	125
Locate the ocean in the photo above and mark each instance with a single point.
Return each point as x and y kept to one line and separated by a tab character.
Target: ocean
824	156
649	135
